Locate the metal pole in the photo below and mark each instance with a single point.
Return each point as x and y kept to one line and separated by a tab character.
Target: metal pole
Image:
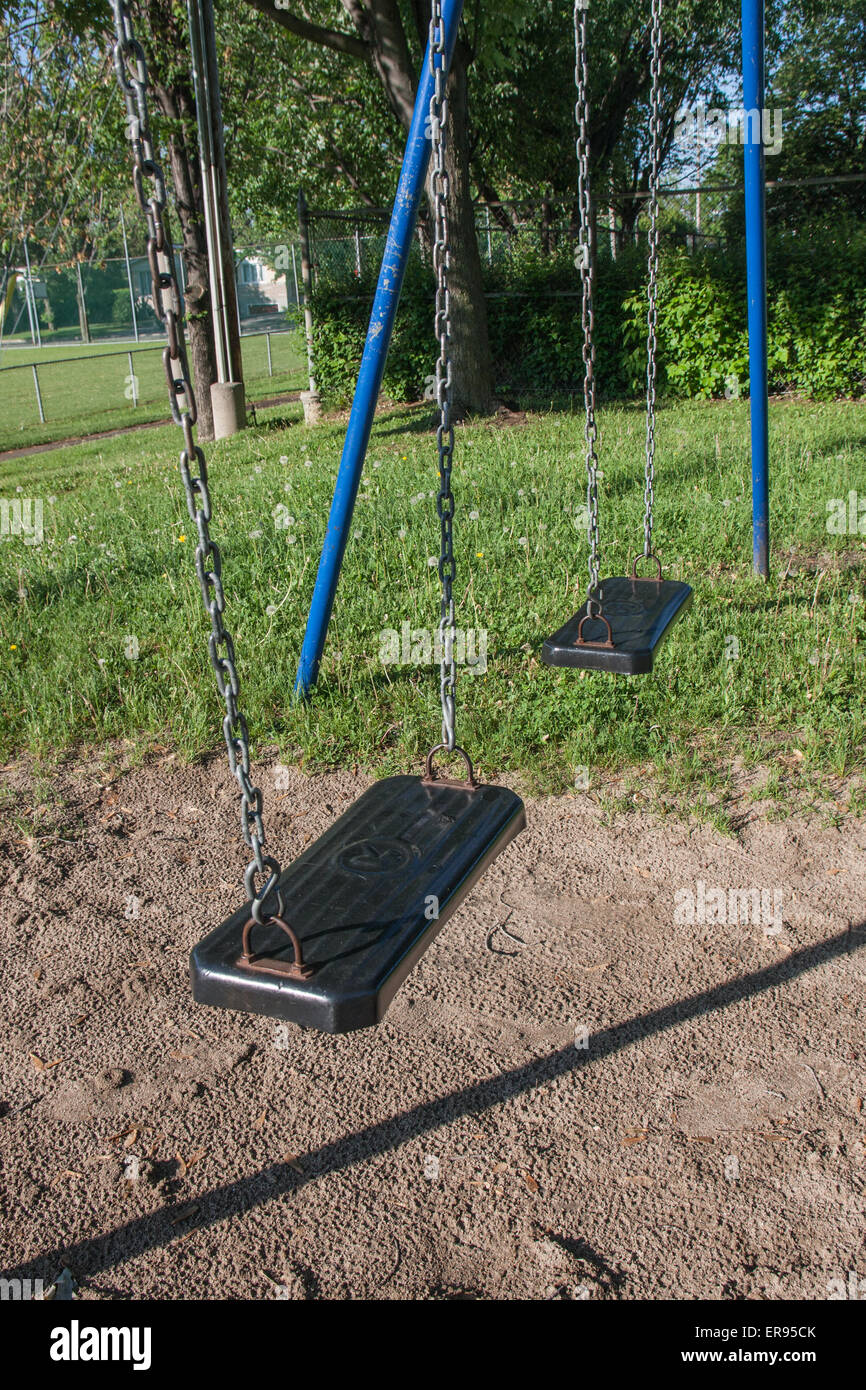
132	380
270	362
129	277
35	318
357	253
28	301
756	276
38	394
295	273
82	307
409	193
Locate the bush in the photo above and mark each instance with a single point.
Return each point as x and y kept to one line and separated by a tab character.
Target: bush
121	309
816	327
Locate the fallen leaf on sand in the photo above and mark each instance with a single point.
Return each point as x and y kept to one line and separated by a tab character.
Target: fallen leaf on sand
635	1138
292	1161
40	1065
530	1182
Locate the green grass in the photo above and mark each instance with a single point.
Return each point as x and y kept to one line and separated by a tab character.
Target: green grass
117	560
84	387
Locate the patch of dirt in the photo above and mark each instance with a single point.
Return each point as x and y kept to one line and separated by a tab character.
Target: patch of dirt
581	1091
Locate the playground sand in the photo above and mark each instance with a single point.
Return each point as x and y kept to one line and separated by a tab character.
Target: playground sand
606	1100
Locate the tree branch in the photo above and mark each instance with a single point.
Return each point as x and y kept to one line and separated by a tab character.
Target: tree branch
315	33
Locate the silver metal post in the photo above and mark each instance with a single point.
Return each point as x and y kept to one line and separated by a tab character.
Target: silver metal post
129	276
38	393
35	335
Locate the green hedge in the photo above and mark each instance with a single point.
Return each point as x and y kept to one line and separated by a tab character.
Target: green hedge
816	325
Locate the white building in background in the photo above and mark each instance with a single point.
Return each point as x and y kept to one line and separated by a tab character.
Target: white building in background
262	291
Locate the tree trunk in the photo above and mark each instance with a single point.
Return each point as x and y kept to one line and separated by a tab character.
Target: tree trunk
173	97
380	40
470	344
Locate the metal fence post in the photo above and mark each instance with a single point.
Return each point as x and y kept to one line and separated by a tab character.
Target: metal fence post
129	275
83	325
270	362
132	381
38	394
34	322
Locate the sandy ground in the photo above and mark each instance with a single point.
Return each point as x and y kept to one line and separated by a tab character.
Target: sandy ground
614	1105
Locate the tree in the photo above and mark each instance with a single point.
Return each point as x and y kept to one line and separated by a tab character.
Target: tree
71	45
374	34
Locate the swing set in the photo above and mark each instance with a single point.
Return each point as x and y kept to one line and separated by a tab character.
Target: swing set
327	942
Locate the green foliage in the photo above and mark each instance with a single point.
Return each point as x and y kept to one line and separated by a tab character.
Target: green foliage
817	341
702	325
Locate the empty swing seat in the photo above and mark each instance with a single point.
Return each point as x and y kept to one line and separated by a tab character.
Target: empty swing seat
640	612
363	904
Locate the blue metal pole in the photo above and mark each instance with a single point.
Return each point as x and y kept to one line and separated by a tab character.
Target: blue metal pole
409	193
756	276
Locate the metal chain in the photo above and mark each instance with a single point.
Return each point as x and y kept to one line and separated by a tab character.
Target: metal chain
653	267
442	324
583	260
131	69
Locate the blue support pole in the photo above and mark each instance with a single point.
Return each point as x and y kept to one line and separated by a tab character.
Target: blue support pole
409	193
756	276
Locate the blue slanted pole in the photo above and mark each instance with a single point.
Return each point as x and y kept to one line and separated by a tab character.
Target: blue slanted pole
756	275
409	193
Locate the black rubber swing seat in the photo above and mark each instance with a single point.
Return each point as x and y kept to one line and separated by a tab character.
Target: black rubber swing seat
637	615
364	902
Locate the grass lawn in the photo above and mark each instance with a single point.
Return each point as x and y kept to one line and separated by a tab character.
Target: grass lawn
83	396
764	674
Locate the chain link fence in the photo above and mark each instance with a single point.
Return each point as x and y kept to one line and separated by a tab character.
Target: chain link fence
110	299
105	388
347	247
83	327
